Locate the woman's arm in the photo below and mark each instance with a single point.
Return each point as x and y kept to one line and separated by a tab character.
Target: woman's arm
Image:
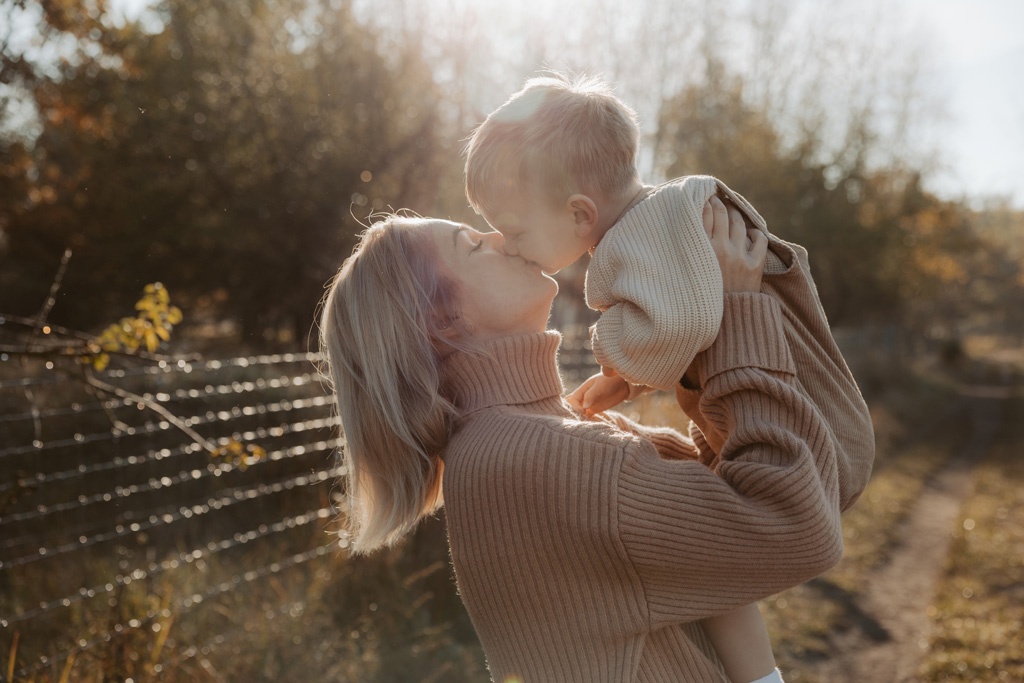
705	543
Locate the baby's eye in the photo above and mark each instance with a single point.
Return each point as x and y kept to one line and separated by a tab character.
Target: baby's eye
477	246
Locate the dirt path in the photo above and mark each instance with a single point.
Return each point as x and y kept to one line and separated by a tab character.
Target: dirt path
888	645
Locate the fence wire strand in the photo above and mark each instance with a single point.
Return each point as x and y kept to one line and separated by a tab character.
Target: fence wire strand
185	386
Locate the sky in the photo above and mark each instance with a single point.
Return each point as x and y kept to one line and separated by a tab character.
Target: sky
974	67
977	69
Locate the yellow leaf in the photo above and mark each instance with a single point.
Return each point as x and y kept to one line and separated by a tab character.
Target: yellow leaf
174	315
152	343
100	362
162	332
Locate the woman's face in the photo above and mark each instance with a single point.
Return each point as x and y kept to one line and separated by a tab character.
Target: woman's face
499	295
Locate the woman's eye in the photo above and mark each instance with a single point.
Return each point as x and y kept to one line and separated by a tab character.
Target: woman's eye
477	246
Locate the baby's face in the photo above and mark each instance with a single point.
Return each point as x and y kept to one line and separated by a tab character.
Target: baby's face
538	232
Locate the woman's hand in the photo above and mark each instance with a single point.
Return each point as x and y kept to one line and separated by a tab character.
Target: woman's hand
741	251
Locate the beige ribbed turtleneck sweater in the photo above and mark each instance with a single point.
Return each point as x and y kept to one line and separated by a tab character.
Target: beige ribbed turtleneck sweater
586	551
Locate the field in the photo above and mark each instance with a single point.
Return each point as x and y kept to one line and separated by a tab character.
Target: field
930	588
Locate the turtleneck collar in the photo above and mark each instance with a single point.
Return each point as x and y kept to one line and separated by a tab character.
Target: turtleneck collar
516	370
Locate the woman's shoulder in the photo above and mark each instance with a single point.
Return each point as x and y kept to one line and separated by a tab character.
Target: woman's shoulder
499	431
562	427
502	452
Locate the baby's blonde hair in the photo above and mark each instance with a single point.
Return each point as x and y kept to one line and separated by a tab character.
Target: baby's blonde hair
558	136
383	330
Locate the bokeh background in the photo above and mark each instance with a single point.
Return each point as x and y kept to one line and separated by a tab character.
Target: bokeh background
232	150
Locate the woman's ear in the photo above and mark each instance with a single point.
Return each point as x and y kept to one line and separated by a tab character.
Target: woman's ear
451	329
584	214
446	327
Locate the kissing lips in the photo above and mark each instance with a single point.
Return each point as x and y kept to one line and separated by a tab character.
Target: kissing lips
531	264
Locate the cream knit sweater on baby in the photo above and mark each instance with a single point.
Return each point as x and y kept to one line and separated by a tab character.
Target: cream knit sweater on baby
656	281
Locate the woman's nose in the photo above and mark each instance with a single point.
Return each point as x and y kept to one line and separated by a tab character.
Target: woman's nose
496	241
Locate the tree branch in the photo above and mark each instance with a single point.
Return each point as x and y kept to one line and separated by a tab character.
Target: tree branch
106	388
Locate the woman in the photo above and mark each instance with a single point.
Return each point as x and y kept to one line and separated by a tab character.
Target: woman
583	550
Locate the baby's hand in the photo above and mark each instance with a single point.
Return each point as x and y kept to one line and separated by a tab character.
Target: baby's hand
599	393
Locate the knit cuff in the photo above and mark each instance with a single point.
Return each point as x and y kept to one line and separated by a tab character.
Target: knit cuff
638	390
669	443
752	336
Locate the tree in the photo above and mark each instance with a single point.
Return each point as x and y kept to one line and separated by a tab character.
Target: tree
713	130
222	152
882	249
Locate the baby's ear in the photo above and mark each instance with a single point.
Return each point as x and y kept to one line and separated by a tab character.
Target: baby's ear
584	213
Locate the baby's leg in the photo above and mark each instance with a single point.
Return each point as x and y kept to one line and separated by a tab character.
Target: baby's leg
741	640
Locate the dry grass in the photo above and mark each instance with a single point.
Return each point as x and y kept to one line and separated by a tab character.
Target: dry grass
392	617
979	607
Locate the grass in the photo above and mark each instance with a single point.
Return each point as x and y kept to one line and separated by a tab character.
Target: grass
392	617
137	631
979	606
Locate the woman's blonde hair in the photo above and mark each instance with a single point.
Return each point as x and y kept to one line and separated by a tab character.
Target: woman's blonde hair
383	330
561	134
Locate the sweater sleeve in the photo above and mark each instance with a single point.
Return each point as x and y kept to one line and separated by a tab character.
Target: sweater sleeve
668	442
706	542
824	373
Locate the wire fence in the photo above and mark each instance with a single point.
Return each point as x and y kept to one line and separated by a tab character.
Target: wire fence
103	501
114	523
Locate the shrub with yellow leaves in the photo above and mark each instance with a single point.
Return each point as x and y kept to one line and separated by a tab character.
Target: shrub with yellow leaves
140	336
238	454
153	324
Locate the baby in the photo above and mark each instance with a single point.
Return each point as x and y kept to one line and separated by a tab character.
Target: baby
554	170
